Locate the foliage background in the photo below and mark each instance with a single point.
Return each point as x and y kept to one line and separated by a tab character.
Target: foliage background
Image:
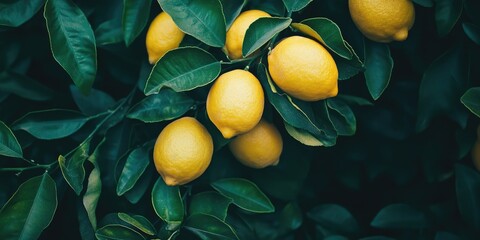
406	173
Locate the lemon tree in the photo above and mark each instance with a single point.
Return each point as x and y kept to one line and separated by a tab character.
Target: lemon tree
222	119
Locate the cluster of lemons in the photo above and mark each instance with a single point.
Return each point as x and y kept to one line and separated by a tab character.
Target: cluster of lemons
299	66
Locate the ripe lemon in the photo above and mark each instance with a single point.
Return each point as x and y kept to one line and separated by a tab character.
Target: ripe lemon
259	147
236	33
235	102
163	35
383	21
183	151
304	69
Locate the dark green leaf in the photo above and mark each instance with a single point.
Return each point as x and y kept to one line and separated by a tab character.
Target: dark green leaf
140	188
30	210
9	145
471	100
261	31
377	238
24	86
203	19
447	13
72	168
210	203
379	65
109	32
138	221
446	236
168	204
400	216
334	217
94	187
354	100
295	5
342	117
209	227
472	31
72	42
18	12
273	7
135	18
348	68
165	105
327	32
302	136
424	3
231	10
291	216
117	232
94	103
183	69
244	194
467	186
135	166
51	124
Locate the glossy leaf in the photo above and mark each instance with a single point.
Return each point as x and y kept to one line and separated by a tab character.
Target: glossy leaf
168	204
203	19
9	145
209	227
261	31
72	41
30	210
334	217
244	194
165	105
342	117
472	31
471	100
16	13
302	136
327	32
183	69
137	161
210	203
117	232
51	124
135	18
135	194
447	13
231	10
72	168
109	32
295	5
379	65
138	221
23	86
349	68
94	103
400	216
467	185
94	187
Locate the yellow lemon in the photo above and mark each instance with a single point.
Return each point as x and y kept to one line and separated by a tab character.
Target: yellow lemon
236	32
259	147
183	151
304	69
383	21
235	102
163	35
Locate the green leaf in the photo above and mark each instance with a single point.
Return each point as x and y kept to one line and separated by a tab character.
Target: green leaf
400	216
18	12
9	145
377	238
327	32
467	185
472	31
295	5
166	105
94	187
23	86
72	168
209	227
51	124
231	10
109	32
261	31
183	69
471	100
72	41
424	3
244	194
334	217
140	188
30	210
302	136
210	203
168	204
94	103
117	232
379	65
291	217
342	117
348	68
137	161
447	13
203	19
135	18
138	221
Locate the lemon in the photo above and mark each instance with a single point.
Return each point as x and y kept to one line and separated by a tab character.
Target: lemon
259	147
383	21
163	35
304	69
183	151
236	32
235	102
